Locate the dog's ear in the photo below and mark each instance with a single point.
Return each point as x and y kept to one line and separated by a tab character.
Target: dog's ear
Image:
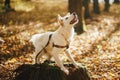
68	13
59	17
60	20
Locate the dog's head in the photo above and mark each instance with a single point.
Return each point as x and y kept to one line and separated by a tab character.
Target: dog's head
68	20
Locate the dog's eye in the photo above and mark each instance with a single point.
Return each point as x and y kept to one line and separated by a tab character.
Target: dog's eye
66	18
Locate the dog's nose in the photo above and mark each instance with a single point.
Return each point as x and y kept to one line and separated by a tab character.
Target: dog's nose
74	13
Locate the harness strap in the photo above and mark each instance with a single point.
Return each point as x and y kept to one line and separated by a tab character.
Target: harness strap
54	45
44	47
59	46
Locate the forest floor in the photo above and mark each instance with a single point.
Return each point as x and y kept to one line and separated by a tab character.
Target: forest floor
98	48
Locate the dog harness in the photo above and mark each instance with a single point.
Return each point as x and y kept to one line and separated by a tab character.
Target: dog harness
59	46
54	45
43	48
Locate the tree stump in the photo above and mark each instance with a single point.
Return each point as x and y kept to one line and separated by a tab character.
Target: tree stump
46	71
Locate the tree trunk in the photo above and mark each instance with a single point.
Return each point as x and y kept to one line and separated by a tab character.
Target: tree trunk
86	12
48	72
7	3
1	2
7	6
107	5
76	6
96	8
116	1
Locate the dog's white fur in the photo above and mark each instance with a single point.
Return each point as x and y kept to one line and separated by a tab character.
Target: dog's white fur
62	36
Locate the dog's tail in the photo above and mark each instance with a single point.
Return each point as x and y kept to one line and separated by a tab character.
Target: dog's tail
33	39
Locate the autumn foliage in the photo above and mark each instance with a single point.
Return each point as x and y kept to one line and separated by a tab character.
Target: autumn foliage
98	48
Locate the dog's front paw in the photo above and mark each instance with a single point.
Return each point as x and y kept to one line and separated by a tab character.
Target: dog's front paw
76	65
65	70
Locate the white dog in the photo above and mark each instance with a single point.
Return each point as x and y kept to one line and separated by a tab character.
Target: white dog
53	43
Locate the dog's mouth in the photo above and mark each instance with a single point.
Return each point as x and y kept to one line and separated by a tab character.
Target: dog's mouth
73	20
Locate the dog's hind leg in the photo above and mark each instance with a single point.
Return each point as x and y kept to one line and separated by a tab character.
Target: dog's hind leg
68	53
37	56
37	59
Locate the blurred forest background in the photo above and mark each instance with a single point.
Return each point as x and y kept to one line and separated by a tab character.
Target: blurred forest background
96	44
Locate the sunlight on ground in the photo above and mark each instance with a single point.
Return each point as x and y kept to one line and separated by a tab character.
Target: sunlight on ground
100	1
23	6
